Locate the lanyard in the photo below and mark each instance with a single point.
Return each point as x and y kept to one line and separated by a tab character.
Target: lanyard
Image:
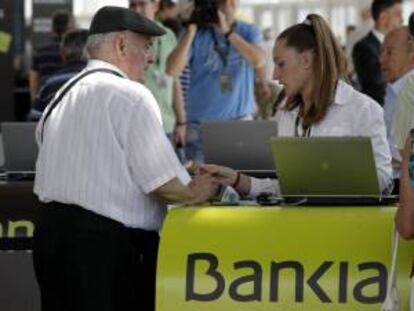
222	50
305	131
65	90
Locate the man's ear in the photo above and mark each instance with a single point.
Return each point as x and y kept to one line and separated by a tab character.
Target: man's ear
306	58
120	44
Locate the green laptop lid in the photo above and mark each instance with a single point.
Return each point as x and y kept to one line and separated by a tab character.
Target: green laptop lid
325	166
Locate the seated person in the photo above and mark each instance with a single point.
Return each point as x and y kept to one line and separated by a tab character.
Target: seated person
311	66
73	53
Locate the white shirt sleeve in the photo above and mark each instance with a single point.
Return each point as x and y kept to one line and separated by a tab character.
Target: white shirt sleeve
371	123
260	185
151	159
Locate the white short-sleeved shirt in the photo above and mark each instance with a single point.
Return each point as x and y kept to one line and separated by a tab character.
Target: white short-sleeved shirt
351	114
104	149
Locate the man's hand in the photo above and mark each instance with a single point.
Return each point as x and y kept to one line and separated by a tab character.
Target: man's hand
204	188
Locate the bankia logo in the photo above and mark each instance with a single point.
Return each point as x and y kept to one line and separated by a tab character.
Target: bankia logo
16	228
363	290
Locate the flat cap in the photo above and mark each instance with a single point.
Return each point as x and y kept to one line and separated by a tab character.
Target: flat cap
168	2
114	18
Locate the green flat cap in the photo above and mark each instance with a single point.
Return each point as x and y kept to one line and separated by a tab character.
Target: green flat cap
113	18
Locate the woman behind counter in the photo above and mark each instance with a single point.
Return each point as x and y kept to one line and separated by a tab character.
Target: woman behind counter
311	66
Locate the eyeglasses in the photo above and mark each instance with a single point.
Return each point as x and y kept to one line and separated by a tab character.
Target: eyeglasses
132	45
146	50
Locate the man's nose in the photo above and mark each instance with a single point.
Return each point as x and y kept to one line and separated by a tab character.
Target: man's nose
150	58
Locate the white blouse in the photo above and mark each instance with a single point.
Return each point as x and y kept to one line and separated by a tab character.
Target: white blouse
351	114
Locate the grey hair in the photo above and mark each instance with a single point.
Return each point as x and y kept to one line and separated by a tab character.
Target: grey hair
96	42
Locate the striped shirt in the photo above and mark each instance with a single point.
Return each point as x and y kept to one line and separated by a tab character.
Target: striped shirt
185	83
47	60
104	149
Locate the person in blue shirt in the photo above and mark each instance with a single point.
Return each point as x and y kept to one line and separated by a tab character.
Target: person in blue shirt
222	56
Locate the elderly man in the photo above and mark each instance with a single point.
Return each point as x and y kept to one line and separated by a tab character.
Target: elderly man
387	15
105	171
397	62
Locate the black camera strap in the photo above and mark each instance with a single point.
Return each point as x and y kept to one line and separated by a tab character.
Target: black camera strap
65	90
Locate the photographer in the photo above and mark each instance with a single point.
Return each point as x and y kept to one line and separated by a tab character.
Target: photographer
222	54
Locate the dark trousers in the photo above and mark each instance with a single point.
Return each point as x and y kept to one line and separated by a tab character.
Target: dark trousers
86	262
396	189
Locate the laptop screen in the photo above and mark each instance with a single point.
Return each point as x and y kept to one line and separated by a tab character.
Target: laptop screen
242	145
19	145
326	166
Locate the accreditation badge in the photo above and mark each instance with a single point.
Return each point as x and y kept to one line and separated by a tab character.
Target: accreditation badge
226	83
160	79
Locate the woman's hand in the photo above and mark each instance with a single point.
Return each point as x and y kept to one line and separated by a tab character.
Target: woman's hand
224	175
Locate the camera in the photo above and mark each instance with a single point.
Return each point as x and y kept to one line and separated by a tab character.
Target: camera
204	13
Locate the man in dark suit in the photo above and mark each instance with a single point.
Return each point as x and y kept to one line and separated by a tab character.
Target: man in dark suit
387	15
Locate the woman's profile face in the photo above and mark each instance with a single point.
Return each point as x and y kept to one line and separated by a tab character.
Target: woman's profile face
292	69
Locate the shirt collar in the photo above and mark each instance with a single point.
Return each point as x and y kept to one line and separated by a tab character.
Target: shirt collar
379	35
97	63
397	85
342	93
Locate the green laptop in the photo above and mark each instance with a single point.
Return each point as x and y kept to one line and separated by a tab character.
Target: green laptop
326	166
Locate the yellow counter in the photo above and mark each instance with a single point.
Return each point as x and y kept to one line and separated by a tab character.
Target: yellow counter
278	258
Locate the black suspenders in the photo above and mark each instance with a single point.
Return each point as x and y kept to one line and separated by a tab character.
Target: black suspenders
56	101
